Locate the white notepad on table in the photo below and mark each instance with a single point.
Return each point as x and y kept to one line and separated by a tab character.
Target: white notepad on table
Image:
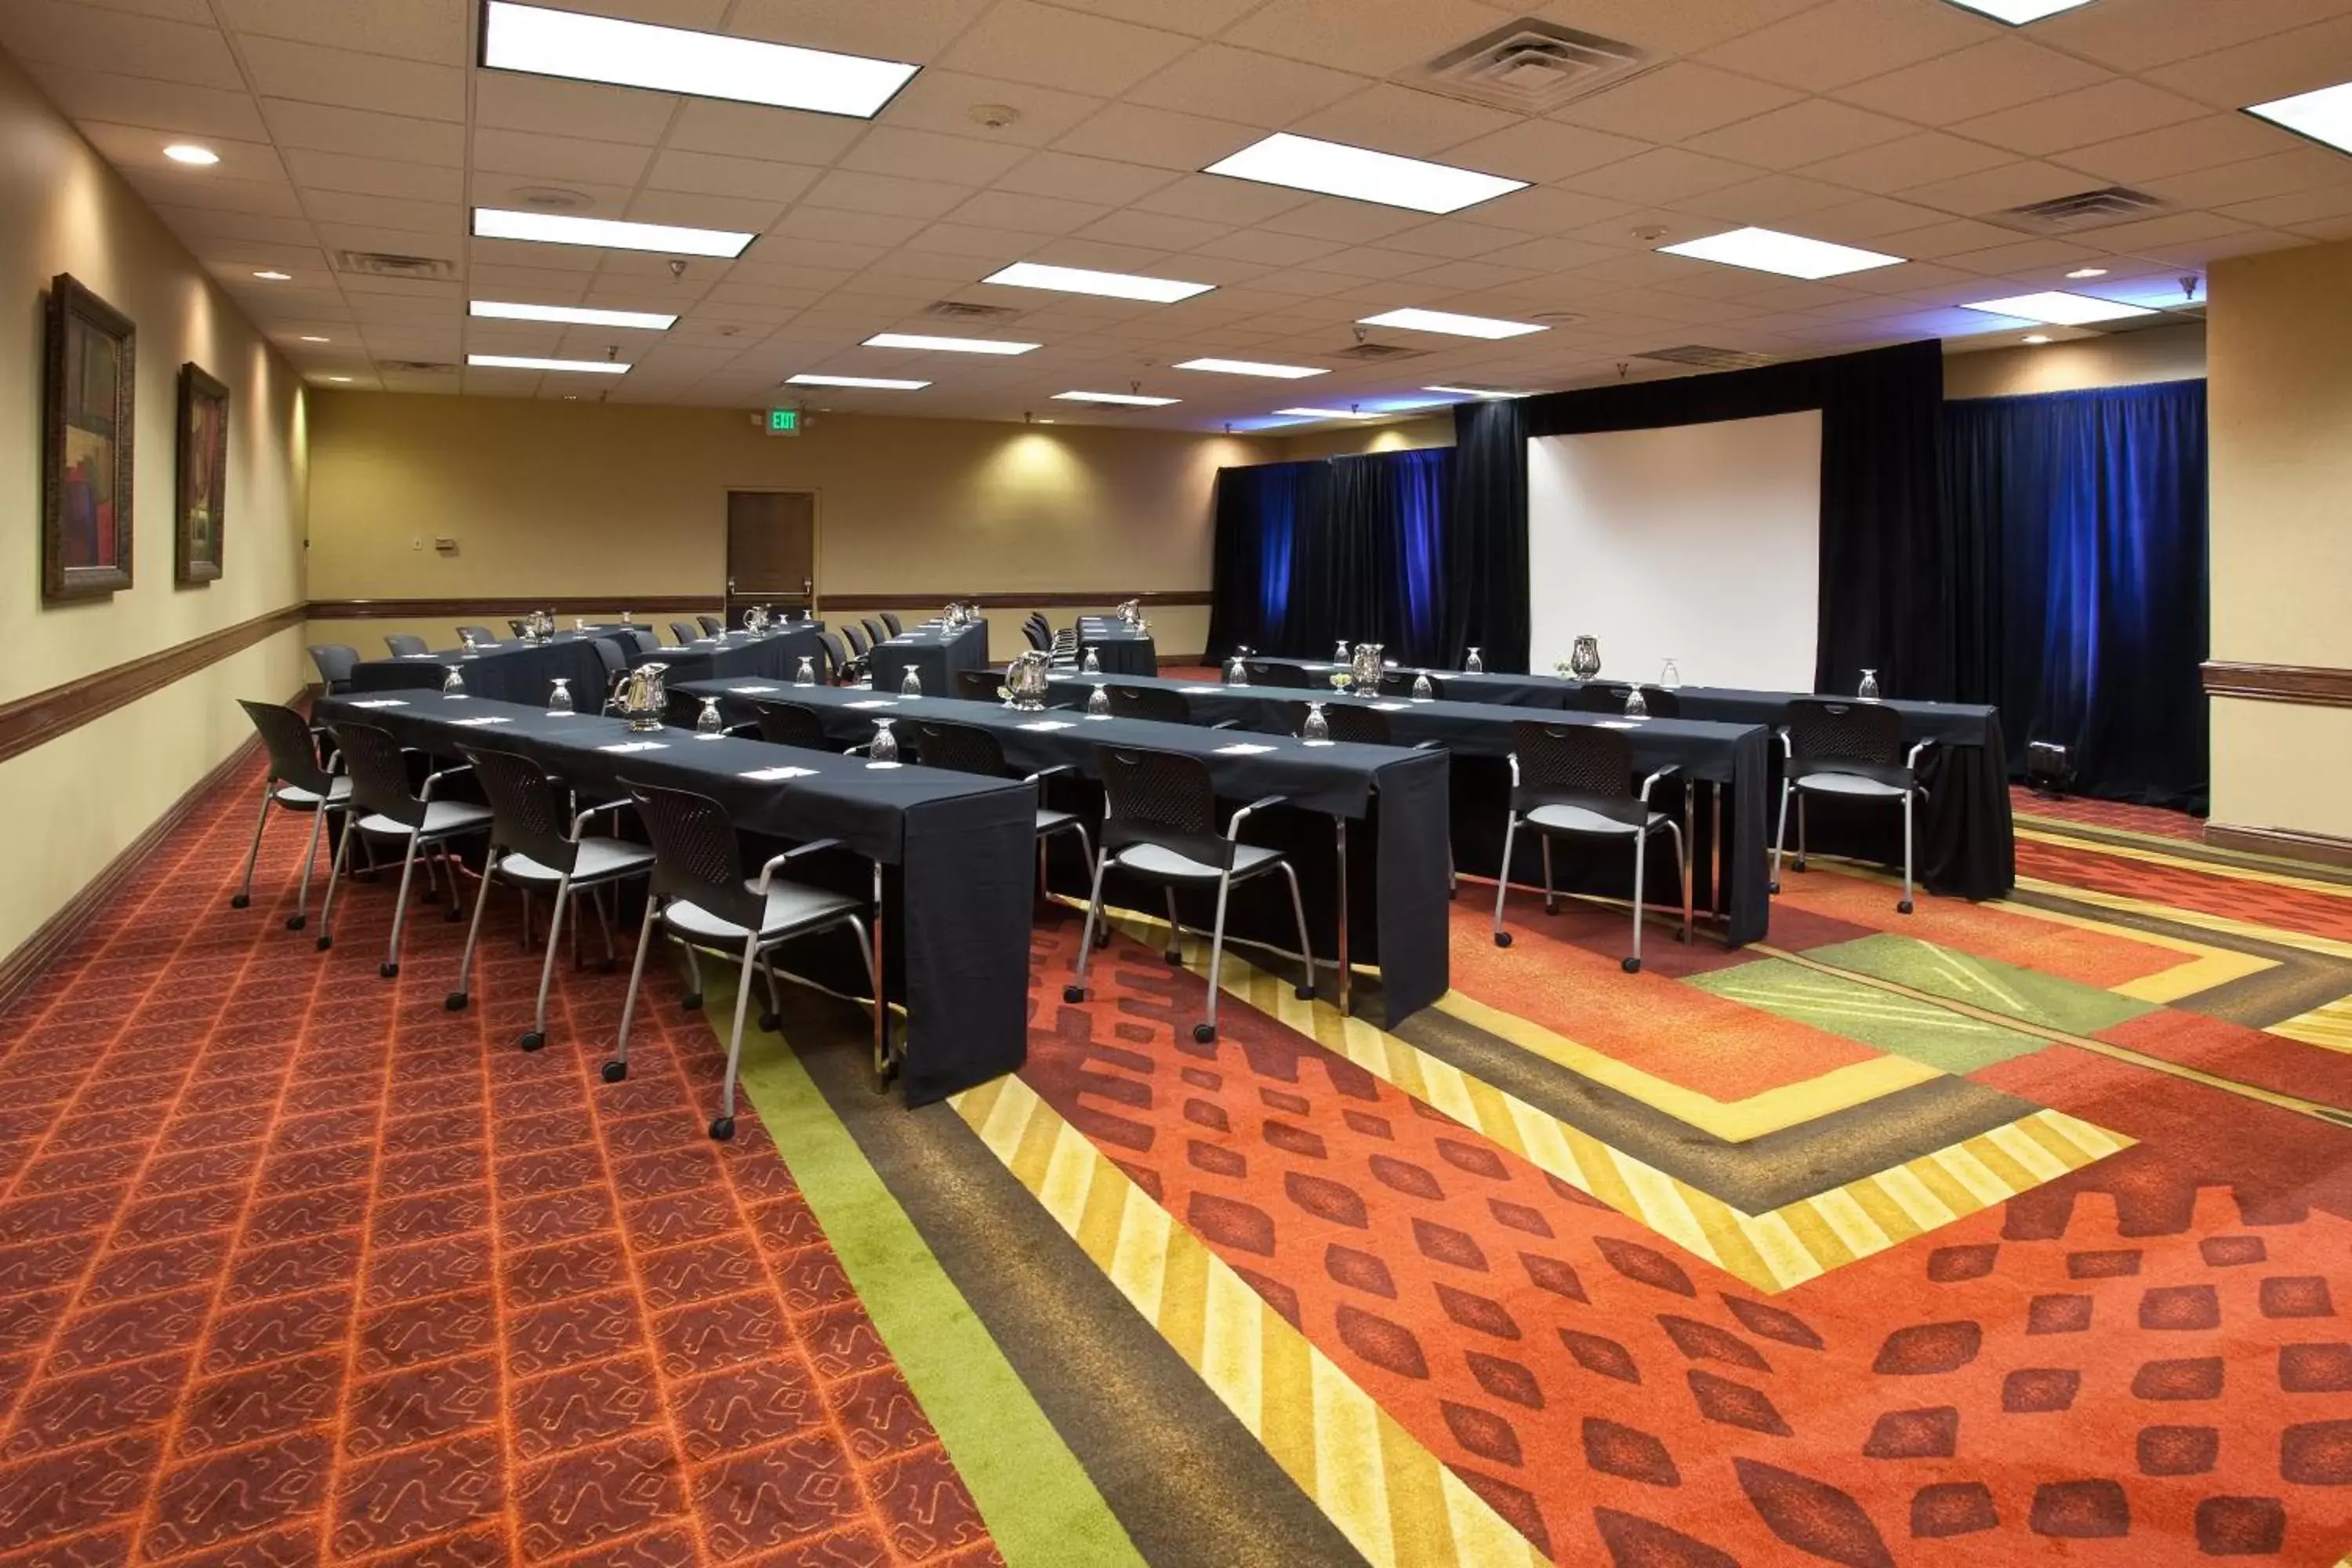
750	691
893	704
486	718
1243	749
382	702
636	746
777	775
1053	723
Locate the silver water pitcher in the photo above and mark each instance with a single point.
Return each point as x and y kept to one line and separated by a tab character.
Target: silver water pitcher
1366	667
1025	680
645	701
1584	658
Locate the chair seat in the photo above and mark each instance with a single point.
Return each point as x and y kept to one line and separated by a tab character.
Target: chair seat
599	859
790	906
1054	821
1578	819
1849	785
441	817
1151	860
338	790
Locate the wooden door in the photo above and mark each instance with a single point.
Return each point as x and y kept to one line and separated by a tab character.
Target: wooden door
770	550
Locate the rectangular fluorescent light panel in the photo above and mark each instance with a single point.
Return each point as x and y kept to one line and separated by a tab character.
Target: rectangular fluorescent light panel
1330	413
554	228
1469	391
1130	399
2324	116
673	59
948	345
578	315
2059	309
1452	325
523	362
2017	13
1790	254
1335	168
1253	367
873	382
1081	280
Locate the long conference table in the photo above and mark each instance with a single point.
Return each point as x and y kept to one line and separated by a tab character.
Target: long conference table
1966	841
959	852
774	655
935	654
1119	649
505	672
1367	831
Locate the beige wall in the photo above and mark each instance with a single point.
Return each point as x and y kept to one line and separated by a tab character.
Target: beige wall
72	804
1352	441
578	498
2113	359
2281	390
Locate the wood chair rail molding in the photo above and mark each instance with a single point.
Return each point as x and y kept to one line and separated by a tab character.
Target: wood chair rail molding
2311	685
41	717
703	604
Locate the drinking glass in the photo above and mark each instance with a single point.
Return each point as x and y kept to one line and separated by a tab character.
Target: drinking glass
1422	691
1341	656
1474	665
560	700
1091	665
579	622
453	683
911	683
1099	701
1236	672
806	674
1316	727
1869	692
1671	677
885	745
1636	705
708	722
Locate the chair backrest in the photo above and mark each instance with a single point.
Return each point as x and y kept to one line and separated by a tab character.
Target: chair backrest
877	631
401	645
1159	798
1037	619
712	624
609	654
979	685
1832	735
696	856
835	655
335	661
1039	638
527	815
647	640
893	622
379	771
684	631
286	734
957	748
1609	697
1575	764
1155	703
1283	675
480	634
517	624
857	639
1399	682
790	725
1358	726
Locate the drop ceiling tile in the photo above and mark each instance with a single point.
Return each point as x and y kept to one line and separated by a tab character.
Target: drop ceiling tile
1803	133
1411	123
2077	119
49	32
1557	254
1027	214
509	100
1676	101
1254	89
692	210
2050	259
1157	231
964	160
524	253
2156	32
373	176
1542	151
2297	168
137	149
983	250
813	220
265	198
2301	208
312	73
2267	68
2000	73
2178	148
1848	40
1135	134
885	193
1661	175
1024	41
1919	159
1461	276
1953	237
198	11
1775	201
1269	249
201	223
320	127
1999	189
559	158
1550	209
1871	219
1218	199
1334	217
435	30
944	101
711	174
165	106
1083	179
1911	278
910	30
538	285
384	212
756	131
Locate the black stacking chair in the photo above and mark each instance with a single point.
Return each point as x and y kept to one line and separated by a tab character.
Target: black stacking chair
856	638
297	782
1399	682
712	624
403	645
701	897
1154	703
1609	697
979	685
383	807
1369	727
647	640
1851	750
847	668
893	622
479	634
1159	822
1289	674
517	625
965	749
335	662
532	849
877	632
683	632
791	724
1576	781
1038	636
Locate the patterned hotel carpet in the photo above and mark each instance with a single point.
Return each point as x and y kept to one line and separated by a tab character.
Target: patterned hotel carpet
2002	1234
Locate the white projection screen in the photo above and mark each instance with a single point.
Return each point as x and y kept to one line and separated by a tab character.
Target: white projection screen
1696	542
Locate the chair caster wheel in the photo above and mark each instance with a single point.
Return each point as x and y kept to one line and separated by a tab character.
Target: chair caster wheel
1204	1033
691	1002
1175	957
1904	908
455	1002
532	1040
605	966
723	1127
1303	992
773	1022
325	943
1550	907
454	913
1102	937
1630	965
615	1071
296	922
1074	994
1502	939
238	900
388	970
1800	863
1773	887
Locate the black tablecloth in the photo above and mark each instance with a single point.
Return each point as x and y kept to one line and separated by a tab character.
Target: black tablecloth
1396	881
771	658
1514	690
963	850
1119	649
1731	758
503	672
935	654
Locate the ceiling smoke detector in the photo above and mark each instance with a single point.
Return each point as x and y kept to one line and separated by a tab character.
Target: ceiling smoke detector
995	116
1531	67
2084	210
551	199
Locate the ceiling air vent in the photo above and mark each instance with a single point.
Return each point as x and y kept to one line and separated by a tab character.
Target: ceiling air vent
964	311
2082	210
388	264
1377	353
1706	358
416	367
1530	67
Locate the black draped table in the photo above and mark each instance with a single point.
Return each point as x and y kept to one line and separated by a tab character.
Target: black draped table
505	672
960	852
740	655
1119	649
933	652
1966	844
1730	843
1383	859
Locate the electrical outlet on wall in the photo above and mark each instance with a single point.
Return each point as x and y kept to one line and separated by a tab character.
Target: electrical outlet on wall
417	543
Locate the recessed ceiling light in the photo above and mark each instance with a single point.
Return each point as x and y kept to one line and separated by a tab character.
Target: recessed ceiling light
1452	325
189	153
873	382
1470	390
1130	399
554	228
1330	413
673	59
1335	168
2059	309
2017	13
525	362
1790	254
1081	280
337	378
2088	272
2037	337
1253	367
271	274
948	345
2324	116
313	338
648	321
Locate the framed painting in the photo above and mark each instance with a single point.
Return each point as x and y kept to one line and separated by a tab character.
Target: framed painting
87	426
201	477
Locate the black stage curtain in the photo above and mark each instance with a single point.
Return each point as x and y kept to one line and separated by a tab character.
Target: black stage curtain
1886	581
2079	522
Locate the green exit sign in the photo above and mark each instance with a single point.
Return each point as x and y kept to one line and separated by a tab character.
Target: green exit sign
783	421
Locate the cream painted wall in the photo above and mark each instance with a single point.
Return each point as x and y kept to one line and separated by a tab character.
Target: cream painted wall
75	802
2112	359
573	499
2280	342
1348	441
